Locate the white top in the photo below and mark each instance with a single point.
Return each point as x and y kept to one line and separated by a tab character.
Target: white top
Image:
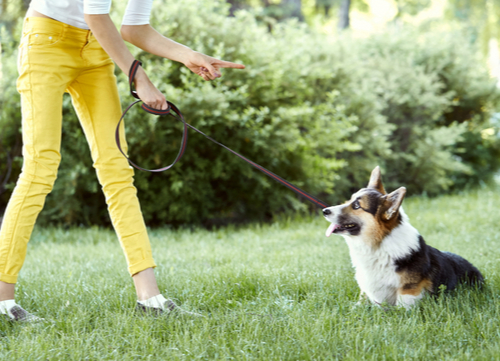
71	11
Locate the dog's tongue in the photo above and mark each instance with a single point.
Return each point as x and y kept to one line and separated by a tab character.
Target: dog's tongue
331	229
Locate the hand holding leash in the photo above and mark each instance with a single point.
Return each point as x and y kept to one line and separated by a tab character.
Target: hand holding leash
154	101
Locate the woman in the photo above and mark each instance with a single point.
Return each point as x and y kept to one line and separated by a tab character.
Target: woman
70	46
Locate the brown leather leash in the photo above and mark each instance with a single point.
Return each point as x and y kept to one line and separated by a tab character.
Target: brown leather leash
174	112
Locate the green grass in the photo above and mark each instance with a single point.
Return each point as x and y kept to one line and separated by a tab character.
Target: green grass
271	292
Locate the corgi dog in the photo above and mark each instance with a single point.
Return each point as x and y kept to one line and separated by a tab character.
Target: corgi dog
393	263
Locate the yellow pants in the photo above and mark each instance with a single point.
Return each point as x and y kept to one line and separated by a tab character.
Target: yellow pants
55	58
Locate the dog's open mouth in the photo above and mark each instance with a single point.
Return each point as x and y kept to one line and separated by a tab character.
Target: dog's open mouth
337	228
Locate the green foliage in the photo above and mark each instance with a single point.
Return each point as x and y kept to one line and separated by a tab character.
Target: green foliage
320	112
439	100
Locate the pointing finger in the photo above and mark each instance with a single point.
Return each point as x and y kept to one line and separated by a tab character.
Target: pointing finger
228	64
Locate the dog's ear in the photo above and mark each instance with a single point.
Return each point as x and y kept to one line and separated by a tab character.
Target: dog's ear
392	202
376	181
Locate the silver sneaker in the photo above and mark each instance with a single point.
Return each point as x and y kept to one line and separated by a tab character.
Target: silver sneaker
18	314
169	308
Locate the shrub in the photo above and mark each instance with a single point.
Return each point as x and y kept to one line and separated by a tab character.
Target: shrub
439	95
318	111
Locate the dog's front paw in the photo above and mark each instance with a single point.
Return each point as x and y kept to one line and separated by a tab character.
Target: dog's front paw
408	301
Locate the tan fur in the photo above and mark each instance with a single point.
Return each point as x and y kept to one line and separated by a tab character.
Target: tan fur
363	202
376	181
386	226
387	215
373	230
413	284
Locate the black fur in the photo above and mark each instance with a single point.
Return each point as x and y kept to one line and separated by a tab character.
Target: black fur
373	201
442	268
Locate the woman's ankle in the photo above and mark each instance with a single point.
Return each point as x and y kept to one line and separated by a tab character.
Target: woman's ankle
145	284
7	291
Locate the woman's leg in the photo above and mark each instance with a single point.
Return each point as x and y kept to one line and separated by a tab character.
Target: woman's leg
95	98
41	83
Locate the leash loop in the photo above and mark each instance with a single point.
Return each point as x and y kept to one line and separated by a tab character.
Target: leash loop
174	112
178	115
171	107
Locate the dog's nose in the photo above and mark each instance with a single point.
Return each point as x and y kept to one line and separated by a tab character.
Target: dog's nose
326	212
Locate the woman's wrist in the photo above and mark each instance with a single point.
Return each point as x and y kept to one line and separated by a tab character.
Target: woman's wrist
140	77
184	54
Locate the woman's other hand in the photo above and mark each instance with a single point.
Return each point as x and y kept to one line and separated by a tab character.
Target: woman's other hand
206	66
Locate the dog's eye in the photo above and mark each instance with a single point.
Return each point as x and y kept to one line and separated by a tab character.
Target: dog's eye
356	205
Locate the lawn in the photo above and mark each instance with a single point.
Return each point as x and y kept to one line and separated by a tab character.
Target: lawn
280	291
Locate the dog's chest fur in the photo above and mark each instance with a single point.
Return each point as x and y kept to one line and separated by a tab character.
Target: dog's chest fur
375	268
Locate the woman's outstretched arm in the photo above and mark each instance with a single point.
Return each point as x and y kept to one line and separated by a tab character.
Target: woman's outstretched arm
148	39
